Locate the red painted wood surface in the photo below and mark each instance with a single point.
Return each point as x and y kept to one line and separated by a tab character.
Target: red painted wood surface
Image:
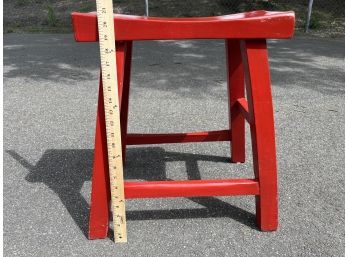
205	136
258	88
124	61
191	188
257	24
235	88
242	107
100	195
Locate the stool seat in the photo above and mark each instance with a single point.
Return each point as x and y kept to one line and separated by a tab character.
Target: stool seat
256	24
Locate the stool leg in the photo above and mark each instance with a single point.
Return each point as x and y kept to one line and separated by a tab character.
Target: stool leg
120	59
100	196
125	95
258	87
123	57
235	85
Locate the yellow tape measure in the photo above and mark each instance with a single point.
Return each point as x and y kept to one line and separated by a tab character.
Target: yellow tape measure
112	116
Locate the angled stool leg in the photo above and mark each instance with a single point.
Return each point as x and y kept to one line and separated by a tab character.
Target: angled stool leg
235	85
125	95
258	87
100	196
123	57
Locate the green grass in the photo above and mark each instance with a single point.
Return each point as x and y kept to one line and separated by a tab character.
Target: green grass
54	16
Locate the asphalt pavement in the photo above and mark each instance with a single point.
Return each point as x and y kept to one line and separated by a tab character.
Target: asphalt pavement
50	96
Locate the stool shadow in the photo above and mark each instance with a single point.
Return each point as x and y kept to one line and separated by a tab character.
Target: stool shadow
65	171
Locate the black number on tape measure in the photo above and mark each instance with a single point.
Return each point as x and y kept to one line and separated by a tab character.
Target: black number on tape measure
108	51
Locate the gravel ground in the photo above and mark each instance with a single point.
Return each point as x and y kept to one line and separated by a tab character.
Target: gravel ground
50	95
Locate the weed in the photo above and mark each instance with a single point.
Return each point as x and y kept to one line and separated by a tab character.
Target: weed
268	5
319	20
314	23
20	3
51	17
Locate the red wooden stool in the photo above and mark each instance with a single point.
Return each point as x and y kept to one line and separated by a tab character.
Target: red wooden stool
247	68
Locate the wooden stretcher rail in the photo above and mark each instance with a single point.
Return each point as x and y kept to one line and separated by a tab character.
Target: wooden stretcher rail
256	24
191	188
205	136
242	107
